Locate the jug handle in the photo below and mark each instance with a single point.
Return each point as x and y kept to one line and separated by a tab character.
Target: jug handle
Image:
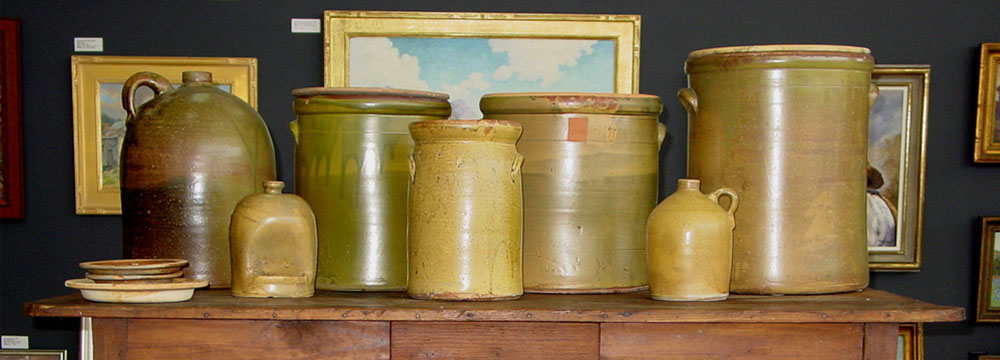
872	94
734	202
515	167
154	81
689	99
294	127
661	132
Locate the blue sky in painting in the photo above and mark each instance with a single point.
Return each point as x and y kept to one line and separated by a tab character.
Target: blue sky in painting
466	68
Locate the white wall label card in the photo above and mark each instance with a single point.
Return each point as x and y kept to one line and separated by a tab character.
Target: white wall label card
14	342
306	26
88	44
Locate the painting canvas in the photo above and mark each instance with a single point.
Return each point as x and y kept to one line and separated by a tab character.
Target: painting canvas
467	55
467	68
99	120
895	188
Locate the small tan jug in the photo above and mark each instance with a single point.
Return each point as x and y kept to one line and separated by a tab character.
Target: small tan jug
689	242
273	241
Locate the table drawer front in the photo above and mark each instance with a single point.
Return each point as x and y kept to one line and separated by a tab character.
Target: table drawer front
503	340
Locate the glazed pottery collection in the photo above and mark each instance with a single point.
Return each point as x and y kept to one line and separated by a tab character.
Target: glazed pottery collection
391	196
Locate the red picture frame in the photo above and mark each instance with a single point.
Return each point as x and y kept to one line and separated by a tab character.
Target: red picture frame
11	133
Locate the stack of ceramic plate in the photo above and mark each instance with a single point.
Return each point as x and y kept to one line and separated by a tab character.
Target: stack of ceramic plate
136	281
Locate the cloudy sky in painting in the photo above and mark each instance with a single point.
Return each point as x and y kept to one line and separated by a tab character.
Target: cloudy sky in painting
467	68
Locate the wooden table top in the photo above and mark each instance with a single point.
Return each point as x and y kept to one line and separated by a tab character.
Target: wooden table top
869	305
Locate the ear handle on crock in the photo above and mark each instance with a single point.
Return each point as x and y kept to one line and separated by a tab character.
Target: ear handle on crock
154	81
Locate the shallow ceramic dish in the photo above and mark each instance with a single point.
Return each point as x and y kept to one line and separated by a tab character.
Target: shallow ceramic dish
150	278
134	266
180	289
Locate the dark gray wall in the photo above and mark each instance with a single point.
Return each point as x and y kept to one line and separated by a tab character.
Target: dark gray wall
39	253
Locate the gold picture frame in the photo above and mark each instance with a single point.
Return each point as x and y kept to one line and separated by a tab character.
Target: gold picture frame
897	141
988	307
988	106
16	354
463	54
98	126
910	345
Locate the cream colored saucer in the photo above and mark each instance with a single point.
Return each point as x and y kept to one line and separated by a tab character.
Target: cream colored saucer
134	266
162	278
181	289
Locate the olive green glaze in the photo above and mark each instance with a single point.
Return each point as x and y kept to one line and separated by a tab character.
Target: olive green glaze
273	242
786	127
188	157
465	211
690	244
351	167
590	176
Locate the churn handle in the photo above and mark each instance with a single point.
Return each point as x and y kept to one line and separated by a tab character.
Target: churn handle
661	132
734	202
515	167
154	81
294	127
872	94
689	99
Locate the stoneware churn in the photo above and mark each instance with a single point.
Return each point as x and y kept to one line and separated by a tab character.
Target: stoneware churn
352	146
189	155
590	179
465	210
273	243
786	127
689	243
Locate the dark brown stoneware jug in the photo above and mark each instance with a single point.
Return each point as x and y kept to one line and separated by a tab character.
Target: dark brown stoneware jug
189	156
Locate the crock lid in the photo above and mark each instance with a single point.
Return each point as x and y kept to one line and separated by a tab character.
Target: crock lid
570	102
779	48
367	91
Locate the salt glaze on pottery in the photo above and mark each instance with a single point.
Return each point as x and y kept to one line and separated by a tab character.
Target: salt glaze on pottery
786	127
188	156
465	210
590	178
689	243
352	146
273	242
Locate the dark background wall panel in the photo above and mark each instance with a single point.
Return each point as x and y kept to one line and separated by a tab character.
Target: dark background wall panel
41	252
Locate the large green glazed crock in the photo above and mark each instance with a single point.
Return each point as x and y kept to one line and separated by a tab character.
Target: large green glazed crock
189	156
786	127
351	166
590	178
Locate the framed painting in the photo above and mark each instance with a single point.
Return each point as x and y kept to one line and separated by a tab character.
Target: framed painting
99	119
910	344
897	134
988	309
988	106
9	354
11	133
470	54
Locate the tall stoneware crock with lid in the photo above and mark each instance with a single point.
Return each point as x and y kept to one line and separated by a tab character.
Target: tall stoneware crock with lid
351	166
465	210
590	180
785	126
188	157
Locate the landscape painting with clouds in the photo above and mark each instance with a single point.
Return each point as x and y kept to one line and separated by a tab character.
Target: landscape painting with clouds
467	68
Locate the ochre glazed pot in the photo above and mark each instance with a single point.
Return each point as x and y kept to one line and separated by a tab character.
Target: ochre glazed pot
590	176
786	127
690	244
273	243
189	155
465	210
351	167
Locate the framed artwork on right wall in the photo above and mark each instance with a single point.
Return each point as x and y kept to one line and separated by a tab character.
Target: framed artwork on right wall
988	106
988	309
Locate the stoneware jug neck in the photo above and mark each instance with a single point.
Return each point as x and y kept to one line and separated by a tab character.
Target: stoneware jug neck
689	184
274	187
196	77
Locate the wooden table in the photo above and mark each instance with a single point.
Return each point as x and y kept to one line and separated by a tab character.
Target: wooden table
333	325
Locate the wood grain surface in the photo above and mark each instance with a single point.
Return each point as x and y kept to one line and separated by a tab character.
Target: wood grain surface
864	306
731	341
881	341
256	339
521	340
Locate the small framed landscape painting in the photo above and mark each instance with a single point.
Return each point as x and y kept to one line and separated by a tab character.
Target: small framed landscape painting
988	112
896	144
99	119
467	55
910	343
14	354
988	309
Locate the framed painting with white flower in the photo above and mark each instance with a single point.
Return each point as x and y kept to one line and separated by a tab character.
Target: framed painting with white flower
467	55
